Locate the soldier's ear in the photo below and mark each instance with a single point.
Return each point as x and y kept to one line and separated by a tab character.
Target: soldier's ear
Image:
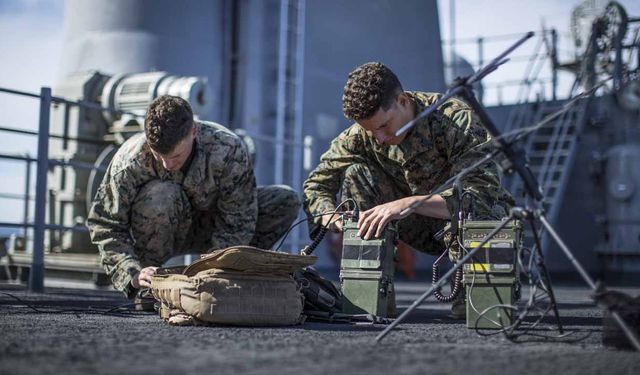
403	99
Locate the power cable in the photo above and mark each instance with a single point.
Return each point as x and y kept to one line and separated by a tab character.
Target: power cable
118	310
323	230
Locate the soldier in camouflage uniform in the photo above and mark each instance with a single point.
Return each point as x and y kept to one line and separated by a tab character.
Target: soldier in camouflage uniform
385	173
182	187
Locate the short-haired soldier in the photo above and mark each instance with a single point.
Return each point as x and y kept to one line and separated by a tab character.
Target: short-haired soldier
385	173
182	187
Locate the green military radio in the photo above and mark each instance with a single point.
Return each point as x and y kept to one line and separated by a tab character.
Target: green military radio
366	271
491	276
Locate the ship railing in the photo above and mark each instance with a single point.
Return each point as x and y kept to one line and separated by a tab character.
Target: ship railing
43	163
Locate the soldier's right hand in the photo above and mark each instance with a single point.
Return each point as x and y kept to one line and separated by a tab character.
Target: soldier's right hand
142	279
333	222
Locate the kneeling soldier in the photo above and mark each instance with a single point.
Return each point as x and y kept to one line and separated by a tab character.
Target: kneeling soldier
386	173
182	187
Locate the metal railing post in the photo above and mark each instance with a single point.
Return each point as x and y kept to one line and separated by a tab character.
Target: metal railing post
36	276
283	46
27	185
296	174
307	154
480	64
554	64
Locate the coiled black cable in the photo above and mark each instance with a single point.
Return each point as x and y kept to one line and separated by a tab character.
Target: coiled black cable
323	229
316	241
308	250
456	286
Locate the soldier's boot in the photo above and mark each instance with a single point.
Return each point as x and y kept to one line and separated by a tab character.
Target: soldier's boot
392	310
459	307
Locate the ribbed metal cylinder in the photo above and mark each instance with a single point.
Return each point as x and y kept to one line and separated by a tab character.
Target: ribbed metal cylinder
134	36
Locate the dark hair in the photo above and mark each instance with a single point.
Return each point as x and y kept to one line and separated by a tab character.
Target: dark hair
168	121
370	86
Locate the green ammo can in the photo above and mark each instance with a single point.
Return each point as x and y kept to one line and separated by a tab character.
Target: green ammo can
484	294
367	271
491	277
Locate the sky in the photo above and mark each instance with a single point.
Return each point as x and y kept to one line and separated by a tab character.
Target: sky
31	48
32	40
487	18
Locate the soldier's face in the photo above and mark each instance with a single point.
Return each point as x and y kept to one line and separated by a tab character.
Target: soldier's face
175	159
382	126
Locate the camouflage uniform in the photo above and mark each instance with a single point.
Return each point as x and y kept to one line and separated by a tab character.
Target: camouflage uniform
143	214
435	149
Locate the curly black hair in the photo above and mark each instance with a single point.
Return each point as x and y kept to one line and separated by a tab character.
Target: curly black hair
168	121
370	86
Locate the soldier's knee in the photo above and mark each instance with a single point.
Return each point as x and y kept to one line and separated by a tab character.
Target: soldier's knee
291	196
280	199
161	199
286	197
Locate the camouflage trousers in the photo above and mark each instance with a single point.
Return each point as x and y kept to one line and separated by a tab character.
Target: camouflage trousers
370	186
164	225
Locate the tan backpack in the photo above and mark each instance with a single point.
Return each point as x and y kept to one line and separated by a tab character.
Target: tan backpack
240	285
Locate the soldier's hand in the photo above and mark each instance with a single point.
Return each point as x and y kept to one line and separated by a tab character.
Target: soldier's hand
143	278
373	221
333	222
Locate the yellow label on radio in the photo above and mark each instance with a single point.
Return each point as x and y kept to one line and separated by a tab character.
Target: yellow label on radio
477	267
475	244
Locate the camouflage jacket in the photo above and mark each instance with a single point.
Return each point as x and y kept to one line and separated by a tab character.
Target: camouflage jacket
435	149
219	179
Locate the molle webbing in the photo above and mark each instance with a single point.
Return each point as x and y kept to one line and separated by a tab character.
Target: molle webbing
236	286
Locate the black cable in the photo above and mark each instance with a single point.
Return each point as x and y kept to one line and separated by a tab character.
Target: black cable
481	314
520	328
518	135
298	223
535	282
308	250
114	311
456	287
332	213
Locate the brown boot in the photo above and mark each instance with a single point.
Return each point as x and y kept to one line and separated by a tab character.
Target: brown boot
459	307
392	311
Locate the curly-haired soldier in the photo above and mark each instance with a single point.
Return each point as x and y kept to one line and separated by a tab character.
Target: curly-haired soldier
370	87
183	187
385	173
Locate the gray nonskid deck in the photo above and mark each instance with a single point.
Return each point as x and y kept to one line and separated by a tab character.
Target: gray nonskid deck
429	342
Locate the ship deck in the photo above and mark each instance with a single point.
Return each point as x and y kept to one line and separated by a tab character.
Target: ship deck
67	330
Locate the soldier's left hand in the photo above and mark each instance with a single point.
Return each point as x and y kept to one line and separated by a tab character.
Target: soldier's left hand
373	221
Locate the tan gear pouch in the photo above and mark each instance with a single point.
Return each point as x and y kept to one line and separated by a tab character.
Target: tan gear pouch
250	259
236	286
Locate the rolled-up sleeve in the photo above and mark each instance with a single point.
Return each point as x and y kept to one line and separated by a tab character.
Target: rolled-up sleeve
324	182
